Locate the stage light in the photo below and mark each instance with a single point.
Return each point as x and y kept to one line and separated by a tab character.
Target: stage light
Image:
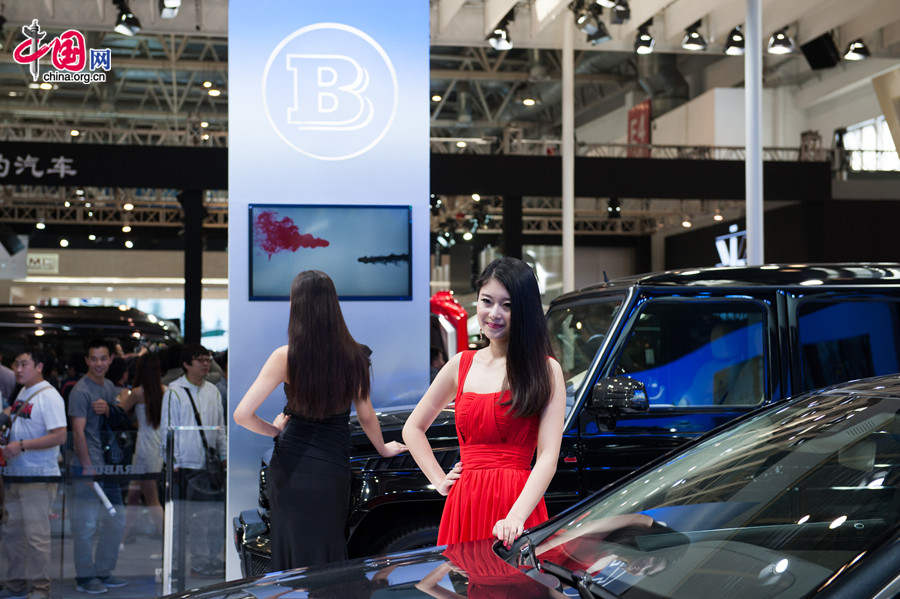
499	39
436	98
461	144
67	204
857	50
207	84
129	244
126	228
63	243
205	137
204	124
621	12
693	41
529	101
79	191
718	216
214	93
467	236
126	22
476	197
40	226
128	206
781	43
643	41
686	222
735	44
74	132
614	208
45	86
168	9
92	237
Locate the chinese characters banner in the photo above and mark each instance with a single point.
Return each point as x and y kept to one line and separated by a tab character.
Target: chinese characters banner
639	130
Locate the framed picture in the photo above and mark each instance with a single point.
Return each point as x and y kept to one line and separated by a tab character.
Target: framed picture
366	250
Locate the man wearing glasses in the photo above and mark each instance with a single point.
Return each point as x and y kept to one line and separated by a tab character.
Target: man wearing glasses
191	400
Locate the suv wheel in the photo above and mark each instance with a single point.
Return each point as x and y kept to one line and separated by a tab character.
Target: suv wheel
414	536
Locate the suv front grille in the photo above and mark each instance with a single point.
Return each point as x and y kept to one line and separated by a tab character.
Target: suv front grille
404	461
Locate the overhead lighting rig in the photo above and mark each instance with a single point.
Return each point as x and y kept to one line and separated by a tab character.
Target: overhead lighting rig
643	41
781	42
734	46
126	22
588	18
693	41
857	50
499	39
621	12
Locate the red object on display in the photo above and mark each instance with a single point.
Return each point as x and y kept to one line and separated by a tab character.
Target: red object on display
444	304
639	129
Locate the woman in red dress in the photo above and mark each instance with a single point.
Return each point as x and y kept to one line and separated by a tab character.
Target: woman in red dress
509	400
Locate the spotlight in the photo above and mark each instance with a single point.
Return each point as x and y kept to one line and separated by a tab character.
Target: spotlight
461	144
718	216
67	204
207	84
621	12
79	191
74	132
476	197
467	236
499	39
436	98
735	44
606	3
168	9
40	226
643	41
693	41
614	208
45	86
214	93
600	36
589	20
128	206
529	101
63	243
857	50
92	237
204	124
686	222
781	43
205	137
126	22
126	228
129	244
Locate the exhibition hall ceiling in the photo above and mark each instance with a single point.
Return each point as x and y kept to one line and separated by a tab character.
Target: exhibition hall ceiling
160	90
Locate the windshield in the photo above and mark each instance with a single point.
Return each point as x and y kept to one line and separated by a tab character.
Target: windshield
576	334
771	508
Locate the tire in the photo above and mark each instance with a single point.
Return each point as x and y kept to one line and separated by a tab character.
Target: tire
414	536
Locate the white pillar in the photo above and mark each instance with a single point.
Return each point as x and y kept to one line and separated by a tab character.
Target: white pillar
753	127
568	159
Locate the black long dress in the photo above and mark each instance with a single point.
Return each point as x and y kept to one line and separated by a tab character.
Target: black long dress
309	491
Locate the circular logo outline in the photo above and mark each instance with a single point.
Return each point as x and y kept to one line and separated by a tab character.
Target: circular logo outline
366	38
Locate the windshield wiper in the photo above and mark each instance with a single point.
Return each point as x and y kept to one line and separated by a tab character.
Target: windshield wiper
579	580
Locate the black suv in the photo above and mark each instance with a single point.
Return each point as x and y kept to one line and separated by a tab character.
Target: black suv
651	362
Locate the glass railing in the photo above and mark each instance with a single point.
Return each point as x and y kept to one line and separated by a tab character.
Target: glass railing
130	528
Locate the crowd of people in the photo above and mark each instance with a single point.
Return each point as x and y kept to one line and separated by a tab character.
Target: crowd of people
509	400
99	430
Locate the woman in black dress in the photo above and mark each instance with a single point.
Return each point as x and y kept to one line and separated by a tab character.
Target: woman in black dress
323	370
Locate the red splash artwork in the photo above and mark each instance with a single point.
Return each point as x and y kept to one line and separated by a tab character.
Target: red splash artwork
275	235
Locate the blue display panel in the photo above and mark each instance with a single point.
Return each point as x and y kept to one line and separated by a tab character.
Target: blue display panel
366	250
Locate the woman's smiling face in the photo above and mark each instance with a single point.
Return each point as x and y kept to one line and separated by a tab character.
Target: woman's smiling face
494	310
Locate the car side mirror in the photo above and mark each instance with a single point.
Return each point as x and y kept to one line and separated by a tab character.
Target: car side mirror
614	396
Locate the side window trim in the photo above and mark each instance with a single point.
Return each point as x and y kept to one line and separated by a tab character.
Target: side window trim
644	299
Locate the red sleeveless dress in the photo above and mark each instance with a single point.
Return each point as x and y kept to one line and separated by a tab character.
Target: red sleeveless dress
496	449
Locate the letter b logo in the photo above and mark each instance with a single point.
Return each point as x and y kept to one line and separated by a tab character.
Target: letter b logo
330	91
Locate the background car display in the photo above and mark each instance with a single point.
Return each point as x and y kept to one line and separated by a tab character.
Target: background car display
795	499
651	362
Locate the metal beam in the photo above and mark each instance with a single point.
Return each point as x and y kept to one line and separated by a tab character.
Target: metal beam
522	76
841	79
834	13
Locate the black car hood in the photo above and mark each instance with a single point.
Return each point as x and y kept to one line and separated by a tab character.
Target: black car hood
467	569
393	419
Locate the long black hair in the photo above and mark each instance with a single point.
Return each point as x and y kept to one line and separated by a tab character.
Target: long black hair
527	369
147	376
327	368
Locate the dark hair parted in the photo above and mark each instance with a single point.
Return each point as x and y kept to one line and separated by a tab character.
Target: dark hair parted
527	369
191	351
148	377
326	367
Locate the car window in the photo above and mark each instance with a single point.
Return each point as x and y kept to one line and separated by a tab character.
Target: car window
576	333
773	507
846	340
699	353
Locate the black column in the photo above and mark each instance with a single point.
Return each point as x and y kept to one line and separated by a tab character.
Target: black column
512	226
192	206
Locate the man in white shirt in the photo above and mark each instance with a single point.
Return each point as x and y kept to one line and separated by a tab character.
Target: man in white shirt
187	399
31	474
